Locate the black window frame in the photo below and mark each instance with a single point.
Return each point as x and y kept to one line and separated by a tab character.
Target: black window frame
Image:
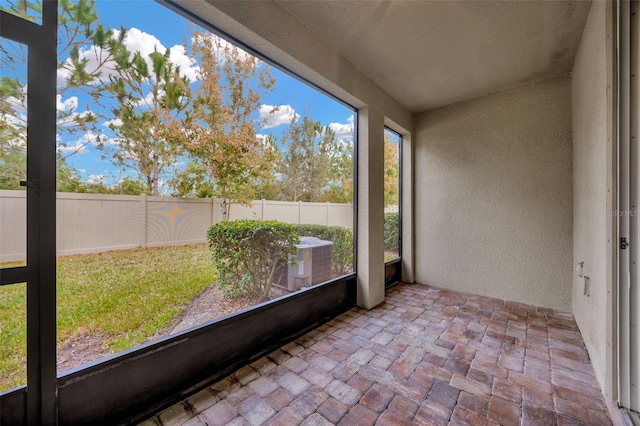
393	268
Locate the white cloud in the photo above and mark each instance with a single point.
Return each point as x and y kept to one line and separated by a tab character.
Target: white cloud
265	141
71	119
135	41
18	119
67	111
148	101
80	145
62	76
109	141
139	41
272	115
178	57
94	57
116	122
76	148
68	106
220	45
18	105
94	178
344	131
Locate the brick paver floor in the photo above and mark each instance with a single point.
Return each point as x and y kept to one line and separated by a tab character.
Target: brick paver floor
426	356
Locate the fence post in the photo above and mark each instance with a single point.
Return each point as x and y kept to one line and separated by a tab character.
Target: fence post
143	206
299	212
213	211
217	215
264	206
327	213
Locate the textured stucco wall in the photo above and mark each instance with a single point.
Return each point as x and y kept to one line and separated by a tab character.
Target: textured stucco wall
589	81
493	195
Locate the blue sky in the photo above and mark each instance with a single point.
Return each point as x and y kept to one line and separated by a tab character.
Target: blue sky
147	21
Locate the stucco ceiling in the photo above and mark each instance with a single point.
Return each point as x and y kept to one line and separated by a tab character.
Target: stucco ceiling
432	53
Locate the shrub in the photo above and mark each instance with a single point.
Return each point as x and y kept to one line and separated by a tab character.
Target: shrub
391	231
248	252
342	239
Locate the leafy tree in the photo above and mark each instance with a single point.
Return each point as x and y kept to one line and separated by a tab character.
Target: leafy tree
219	132
13	121
83	61
307	165
67	177
82	41
340	190
151	94
266	186
69	181
13	166
13	169
192	181
93	59
129	186
392	231
25	9
391	171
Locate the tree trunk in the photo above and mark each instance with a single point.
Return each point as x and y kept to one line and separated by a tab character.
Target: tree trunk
225	206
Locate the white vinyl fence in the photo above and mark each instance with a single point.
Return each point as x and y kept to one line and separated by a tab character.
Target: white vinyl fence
92	223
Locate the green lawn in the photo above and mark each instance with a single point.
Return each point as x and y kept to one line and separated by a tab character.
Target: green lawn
390	255
127	296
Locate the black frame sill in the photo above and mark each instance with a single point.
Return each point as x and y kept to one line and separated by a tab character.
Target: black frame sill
130	386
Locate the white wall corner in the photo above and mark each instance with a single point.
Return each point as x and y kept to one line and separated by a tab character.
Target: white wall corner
370	235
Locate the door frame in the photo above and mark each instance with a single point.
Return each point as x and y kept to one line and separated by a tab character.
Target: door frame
40	270
626	362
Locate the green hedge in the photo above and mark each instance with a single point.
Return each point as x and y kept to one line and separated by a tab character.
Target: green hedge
391	231
342	239
247	253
